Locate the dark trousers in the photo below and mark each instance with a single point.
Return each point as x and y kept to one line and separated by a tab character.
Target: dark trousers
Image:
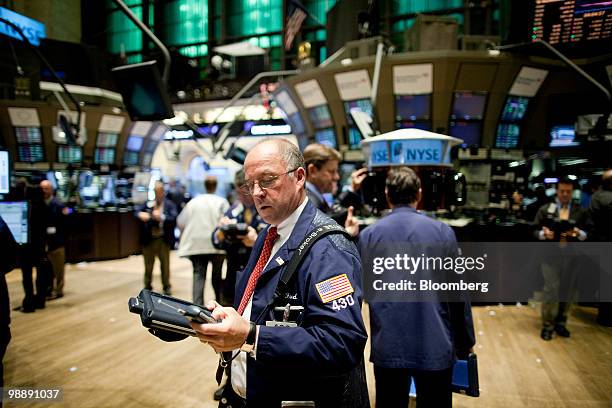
157	247
200	263
433	388
44	279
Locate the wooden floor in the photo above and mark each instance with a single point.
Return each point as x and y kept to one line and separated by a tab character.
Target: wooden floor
91	346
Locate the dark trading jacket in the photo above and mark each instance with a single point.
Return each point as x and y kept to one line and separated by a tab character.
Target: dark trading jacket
309	362
54	218
426	335
168	225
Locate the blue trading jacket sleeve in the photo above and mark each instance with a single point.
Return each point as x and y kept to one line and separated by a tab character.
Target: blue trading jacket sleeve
329	340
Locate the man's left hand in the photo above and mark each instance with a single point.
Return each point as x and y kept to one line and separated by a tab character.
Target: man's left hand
249	239
351	225
228	335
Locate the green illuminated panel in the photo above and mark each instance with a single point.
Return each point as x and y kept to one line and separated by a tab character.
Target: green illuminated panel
420	6
319	9
186	22
250	17
123	36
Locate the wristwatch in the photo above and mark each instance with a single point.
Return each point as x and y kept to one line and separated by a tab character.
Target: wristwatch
249	343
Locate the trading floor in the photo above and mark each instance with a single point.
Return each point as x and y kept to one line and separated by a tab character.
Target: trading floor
90	345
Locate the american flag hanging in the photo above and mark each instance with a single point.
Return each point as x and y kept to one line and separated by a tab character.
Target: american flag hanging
296	14
334	288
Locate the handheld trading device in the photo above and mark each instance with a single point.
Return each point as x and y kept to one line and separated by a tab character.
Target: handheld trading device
158	311
231	231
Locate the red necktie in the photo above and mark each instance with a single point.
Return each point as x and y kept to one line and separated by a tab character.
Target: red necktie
259	267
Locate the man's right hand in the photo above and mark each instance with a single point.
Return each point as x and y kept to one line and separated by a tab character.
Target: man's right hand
351	225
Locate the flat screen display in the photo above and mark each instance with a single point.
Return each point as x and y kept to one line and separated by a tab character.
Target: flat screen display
130	158
563	136
5	172
326	137
364	104
104	155
15	214
412	107
32	153
469	105
469	132
296	123
143	92
28	135
151	146
69	154
514	109
107	139
507	135
146	159
354	138
134	143
320	117
570	21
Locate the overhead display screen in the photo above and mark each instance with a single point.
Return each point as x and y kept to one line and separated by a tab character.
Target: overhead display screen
412	107
69	154
15	214
326	137
364	104
469	132
134	143
570	21
107	139
104	155
320	117
563	136
469	105
514	109
507	135
130	158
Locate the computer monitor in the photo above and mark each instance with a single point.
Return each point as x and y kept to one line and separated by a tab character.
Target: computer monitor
134	143
507	135
130	158
563	136
69	154
296	123
354	137
144	95
469	105
326	137
5	172
412	107
104	155
514	109
364	104
320	117
15	214
107	139
29	145
469	132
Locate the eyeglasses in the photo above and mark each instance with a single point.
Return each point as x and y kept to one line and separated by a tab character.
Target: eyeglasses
267	182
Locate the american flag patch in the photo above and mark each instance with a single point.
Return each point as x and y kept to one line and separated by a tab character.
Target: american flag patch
334	288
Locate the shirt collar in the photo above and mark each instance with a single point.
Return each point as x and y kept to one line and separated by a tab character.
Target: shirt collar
285	228
311	187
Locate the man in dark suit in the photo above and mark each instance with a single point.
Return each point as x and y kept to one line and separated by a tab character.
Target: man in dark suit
158	220
321	173
315	355
55	233
560	221
418	340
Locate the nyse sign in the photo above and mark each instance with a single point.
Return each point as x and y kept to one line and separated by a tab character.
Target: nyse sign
417	152
32	29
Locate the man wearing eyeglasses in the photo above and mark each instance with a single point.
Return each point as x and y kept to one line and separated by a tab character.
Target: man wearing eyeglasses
310	355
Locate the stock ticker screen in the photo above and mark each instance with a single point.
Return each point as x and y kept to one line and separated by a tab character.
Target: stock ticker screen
571	21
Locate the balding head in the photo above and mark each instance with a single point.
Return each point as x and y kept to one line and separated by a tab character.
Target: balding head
47	189
278	165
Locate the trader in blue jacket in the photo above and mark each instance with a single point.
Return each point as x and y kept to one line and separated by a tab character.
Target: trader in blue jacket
310	355
418	340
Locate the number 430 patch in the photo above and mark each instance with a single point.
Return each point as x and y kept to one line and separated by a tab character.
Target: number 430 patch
343	303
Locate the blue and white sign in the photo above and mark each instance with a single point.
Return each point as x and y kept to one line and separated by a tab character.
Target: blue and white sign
32	29
417	152
379	153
